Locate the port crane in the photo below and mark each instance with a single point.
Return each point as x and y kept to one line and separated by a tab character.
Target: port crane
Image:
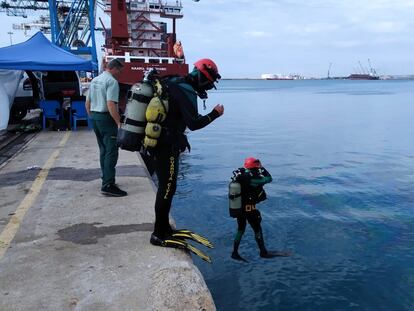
329	70
71	23
363	71
371	70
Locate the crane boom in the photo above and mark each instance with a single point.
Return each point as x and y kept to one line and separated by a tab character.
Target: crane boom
329	70
72	22
20	7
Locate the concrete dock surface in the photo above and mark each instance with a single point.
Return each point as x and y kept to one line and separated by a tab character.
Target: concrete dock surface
65	246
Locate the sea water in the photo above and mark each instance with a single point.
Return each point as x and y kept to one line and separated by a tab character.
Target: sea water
341	154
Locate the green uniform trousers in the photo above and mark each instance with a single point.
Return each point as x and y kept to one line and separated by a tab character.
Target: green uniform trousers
106	131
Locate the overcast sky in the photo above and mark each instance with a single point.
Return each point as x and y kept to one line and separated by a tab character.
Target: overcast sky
248	38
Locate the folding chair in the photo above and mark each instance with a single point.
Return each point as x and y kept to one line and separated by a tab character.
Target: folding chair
78	112
51	110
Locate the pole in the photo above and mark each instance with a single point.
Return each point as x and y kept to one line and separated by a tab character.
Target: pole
329	70
11	40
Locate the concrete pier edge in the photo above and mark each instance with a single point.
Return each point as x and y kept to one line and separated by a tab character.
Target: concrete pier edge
76	249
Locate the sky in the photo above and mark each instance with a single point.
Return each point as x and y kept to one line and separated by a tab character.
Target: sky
248	38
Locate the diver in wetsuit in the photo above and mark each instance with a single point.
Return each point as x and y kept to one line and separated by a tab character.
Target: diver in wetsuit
182	114
252	177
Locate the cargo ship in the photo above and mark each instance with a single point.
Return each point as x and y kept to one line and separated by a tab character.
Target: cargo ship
140	38
271	76
363	76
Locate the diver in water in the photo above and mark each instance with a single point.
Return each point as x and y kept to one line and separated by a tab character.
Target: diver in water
182	114
245	191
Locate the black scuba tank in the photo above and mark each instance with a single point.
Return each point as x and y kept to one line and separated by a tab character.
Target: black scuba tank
132	131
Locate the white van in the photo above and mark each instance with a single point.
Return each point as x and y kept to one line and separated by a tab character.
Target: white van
23	100
48	85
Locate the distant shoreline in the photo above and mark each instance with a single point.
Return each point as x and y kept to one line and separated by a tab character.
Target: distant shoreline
335	78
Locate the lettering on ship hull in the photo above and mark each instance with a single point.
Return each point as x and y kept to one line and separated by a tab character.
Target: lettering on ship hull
146	68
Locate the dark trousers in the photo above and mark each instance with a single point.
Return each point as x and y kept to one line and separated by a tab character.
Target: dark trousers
166	167
254	218
106	130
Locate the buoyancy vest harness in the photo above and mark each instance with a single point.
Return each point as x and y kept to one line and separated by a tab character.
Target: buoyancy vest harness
146	109
155	114
244	190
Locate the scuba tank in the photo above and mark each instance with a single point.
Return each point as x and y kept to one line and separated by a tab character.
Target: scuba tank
155	114
132	129
235	200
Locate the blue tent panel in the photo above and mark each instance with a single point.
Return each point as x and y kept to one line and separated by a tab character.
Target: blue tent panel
39	54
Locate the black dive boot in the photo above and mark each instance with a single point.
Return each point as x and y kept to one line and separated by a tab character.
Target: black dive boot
235	255
260	242
263	251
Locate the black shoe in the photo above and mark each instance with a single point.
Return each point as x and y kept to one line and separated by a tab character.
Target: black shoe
113	191
156	240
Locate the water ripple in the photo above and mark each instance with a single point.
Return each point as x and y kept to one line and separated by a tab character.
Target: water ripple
341	155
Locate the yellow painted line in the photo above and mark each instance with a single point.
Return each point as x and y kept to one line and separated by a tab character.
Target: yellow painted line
9	232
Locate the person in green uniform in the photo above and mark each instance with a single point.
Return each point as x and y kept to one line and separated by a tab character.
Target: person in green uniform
102	107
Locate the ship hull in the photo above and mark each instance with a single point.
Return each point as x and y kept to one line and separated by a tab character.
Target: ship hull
363	77
134	72
282	79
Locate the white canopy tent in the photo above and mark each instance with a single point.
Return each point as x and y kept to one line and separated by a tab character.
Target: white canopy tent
9	82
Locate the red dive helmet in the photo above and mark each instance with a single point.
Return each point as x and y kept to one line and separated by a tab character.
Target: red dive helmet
252	163
208	68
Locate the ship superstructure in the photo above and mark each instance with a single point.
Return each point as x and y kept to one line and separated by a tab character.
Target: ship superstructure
139	36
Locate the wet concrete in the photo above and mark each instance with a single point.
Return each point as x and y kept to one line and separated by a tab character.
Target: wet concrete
68	173
15	178
90	233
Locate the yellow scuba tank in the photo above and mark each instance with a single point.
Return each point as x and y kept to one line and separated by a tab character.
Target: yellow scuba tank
235	200
155	114
132	130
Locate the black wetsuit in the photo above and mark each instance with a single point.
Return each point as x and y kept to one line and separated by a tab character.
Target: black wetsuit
182	113
251	181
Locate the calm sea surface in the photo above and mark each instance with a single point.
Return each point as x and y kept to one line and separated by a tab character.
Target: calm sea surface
342	200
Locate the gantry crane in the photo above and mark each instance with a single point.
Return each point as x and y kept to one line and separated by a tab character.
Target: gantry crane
71	22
